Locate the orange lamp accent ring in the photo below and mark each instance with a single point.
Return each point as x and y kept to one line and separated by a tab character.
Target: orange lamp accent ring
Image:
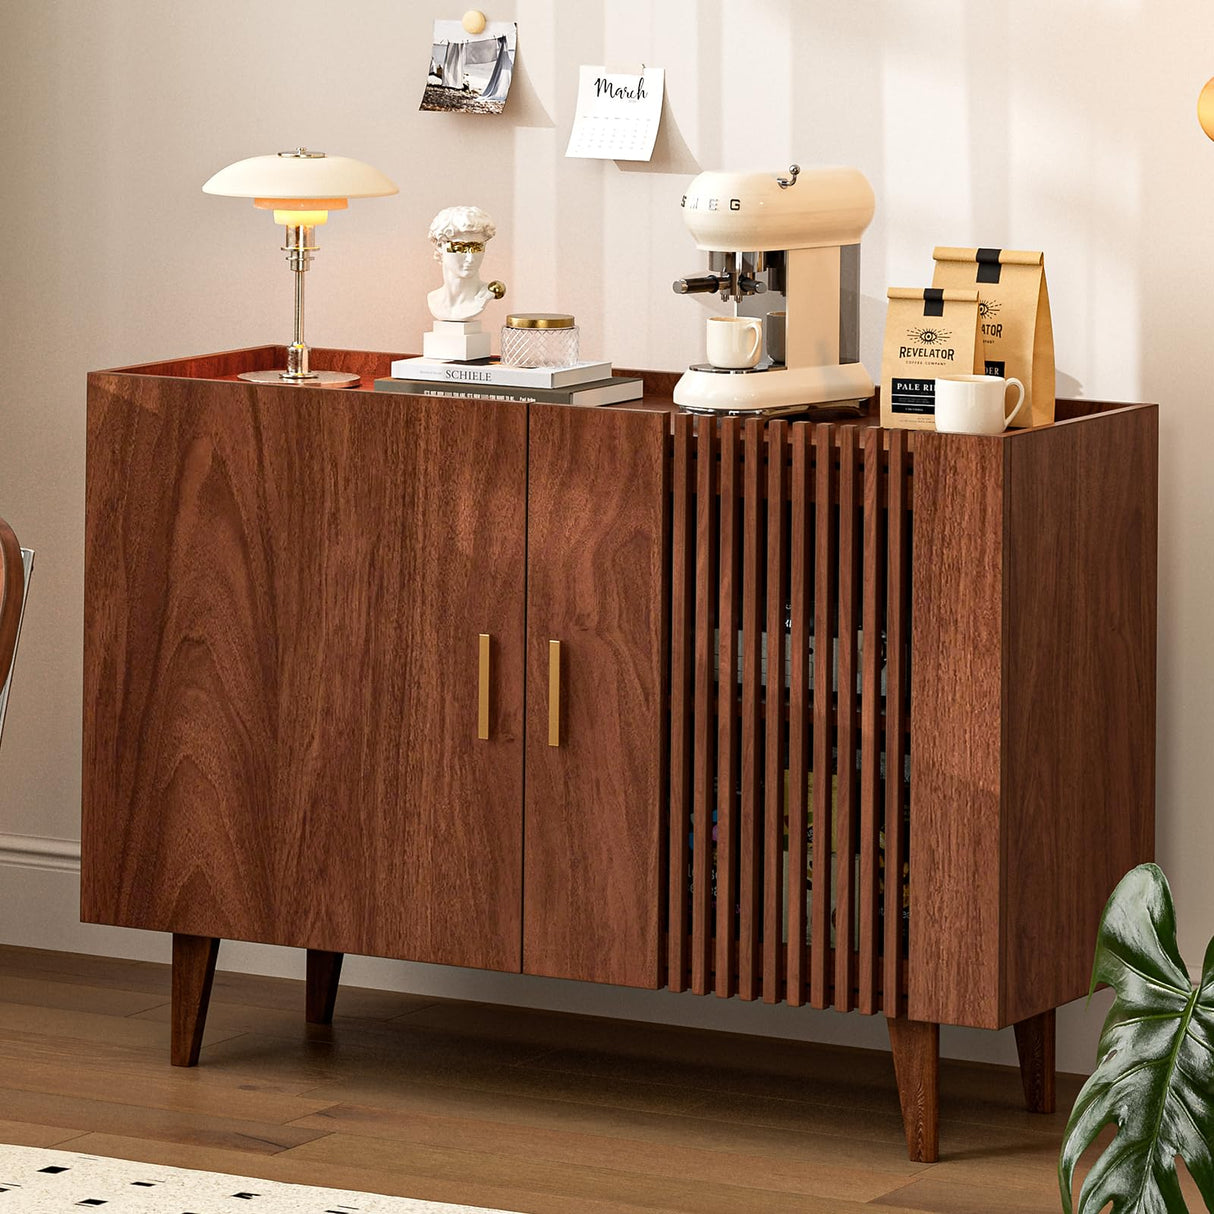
301	204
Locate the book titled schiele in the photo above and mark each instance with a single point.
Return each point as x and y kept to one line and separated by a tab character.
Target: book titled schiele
491	371
614	390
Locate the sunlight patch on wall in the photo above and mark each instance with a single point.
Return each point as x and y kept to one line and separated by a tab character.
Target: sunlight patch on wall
928	189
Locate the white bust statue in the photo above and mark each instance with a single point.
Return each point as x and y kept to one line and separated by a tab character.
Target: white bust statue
460	235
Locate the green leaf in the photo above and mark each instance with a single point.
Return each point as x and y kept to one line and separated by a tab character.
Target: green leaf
1155	1065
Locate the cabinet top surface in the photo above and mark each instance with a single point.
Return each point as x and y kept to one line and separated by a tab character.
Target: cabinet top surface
369	365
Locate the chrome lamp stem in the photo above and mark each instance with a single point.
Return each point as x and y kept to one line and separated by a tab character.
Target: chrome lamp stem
300	248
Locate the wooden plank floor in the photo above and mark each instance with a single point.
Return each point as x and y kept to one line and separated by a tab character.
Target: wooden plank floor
531	1111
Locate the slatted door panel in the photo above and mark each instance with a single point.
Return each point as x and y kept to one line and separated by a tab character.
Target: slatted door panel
789	806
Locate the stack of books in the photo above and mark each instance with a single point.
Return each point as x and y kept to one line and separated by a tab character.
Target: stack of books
584	383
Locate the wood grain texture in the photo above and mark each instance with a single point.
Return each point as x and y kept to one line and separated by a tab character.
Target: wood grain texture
729	617
955	972
800	705
222	365
899	583
704	771
774	1120
1033	705
367	364
597	582
776	757
846	820
1080	674
1035	1045
323	976
283	590
193	973
826	613
682	693
12	590
871	716
916	1049
750	841
285	587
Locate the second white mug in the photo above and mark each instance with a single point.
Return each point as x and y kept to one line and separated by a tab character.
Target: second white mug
975	404
734	342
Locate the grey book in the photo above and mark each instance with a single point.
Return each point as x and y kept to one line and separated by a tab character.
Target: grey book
614	390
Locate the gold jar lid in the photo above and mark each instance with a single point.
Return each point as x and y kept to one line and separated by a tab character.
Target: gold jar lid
539	320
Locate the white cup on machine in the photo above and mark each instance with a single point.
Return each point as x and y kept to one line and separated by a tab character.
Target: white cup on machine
734	342
975	404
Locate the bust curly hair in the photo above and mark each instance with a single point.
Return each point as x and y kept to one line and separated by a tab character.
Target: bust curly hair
460	223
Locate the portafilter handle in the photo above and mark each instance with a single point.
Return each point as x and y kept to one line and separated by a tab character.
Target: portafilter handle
697	284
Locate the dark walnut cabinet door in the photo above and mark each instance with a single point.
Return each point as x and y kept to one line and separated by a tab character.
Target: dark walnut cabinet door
595	694
285	593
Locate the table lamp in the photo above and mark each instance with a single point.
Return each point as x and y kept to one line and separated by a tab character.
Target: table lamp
301	188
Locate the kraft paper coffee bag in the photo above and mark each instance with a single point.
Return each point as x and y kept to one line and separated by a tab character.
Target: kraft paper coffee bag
1017	334
929	332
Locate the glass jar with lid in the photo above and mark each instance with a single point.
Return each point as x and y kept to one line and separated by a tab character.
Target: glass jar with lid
539	339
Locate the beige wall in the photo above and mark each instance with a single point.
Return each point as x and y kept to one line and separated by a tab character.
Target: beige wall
1049	124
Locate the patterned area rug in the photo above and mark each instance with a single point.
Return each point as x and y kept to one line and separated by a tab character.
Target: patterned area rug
34	1180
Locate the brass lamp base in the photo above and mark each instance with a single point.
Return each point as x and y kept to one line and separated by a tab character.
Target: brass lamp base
313	379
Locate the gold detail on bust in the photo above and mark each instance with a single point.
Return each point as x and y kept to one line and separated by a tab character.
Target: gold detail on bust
497	289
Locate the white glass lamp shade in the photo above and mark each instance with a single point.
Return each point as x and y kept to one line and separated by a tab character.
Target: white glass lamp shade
301	188
300	175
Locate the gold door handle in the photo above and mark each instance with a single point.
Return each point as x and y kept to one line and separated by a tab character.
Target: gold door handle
554	693
482	706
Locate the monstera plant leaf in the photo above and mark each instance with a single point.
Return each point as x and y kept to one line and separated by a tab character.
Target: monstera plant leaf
1155	1067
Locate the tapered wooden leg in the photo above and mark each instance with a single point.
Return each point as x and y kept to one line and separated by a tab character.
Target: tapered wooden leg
324	973
916	1049
193	973
1035	1045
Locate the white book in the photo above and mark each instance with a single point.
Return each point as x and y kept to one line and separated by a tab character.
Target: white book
491	371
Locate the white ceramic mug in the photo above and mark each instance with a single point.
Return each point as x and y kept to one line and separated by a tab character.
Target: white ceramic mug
975	404
734	341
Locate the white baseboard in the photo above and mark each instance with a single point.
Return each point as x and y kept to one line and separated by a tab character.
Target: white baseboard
39	908
33	851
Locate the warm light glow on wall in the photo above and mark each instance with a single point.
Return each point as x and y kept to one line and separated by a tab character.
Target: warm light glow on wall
1205	108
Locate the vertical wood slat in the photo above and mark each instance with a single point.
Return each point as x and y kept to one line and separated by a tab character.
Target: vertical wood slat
706	587
727	720
870	723
682	599
773	826
898	575
799	708
749	835
825	580
849	567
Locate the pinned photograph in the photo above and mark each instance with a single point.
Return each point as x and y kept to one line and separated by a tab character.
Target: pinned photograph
470	72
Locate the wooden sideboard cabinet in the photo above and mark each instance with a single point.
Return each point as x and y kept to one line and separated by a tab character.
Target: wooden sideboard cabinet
808	712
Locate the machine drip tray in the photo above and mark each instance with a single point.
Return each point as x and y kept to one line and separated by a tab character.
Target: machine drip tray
762	367
843	410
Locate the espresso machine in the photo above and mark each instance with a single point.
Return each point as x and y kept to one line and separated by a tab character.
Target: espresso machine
781	243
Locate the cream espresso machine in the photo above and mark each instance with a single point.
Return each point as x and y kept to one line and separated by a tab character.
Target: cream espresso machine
786	243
